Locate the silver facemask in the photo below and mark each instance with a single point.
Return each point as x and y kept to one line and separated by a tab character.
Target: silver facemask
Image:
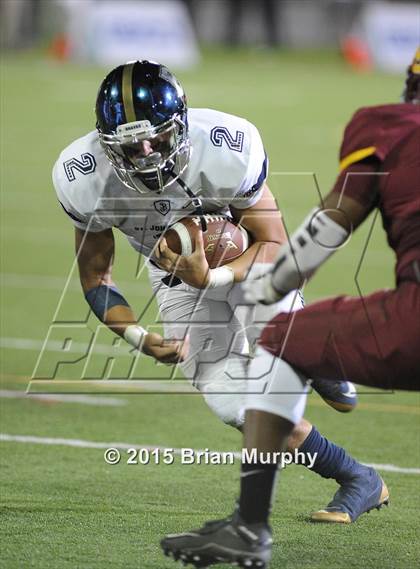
147	158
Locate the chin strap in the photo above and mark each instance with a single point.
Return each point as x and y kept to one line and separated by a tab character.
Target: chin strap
196	201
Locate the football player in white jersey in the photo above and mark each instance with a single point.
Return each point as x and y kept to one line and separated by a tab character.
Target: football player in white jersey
149	163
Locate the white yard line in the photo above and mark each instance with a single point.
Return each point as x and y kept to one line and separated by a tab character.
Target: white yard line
55	346
80	443
97	401
391	468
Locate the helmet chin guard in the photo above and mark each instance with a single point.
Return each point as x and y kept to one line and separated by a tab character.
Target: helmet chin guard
141	116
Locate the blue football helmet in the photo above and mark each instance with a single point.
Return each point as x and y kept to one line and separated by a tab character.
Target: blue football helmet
141	114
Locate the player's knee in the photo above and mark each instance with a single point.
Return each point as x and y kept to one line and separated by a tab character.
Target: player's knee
224	388
283	389
227	406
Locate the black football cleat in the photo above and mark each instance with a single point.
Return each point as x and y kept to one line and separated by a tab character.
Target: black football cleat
223	541
356	496
339	394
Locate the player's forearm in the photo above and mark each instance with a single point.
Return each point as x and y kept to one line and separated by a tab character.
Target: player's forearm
259	252
326	228
118	318
90	280
95	253
317	238
107	302
111	308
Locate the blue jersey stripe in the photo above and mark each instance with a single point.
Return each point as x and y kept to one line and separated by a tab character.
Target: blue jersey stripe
263	174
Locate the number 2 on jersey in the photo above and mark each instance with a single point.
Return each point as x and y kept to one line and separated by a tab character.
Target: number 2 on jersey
85	166
219	134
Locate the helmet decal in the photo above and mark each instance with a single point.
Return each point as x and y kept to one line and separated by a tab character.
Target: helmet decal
127	92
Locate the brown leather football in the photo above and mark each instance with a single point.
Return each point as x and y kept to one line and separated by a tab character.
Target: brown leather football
224	240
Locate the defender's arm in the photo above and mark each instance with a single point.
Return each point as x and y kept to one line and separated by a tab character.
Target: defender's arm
327	227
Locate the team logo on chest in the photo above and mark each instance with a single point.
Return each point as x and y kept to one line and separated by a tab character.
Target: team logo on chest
162	206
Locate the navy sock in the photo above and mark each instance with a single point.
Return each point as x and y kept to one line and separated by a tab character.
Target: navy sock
331	460
257	483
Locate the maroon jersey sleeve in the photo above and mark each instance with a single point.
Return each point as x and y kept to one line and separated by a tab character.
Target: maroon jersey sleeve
375	131
359	181
369	138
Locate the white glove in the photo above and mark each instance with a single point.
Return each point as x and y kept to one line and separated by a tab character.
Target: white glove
260	291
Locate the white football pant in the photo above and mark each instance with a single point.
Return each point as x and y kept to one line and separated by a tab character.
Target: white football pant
222	330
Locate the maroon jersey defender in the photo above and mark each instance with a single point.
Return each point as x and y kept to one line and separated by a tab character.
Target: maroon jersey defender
390	134
372	340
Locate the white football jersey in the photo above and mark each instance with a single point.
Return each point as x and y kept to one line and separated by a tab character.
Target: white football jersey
227	166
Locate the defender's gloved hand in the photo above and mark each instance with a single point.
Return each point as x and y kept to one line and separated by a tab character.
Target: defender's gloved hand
260	291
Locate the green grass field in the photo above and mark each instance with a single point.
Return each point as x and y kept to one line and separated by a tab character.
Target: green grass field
63	506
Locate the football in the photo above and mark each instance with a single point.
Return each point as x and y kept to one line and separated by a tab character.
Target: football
223	241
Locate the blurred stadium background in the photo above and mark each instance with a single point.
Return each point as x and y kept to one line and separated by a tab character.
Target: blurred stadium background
297	70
